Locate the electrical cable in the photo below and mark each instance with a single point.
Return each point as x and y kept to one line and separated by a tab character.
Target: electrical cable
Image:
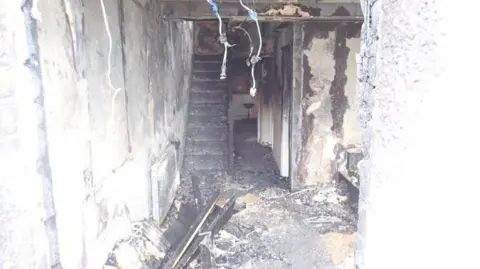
116	91
223	39
110	47
256	58
249	41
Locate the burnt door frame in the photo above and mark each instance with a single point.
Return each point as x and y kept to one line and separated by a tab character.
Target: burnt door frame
286	79
296	111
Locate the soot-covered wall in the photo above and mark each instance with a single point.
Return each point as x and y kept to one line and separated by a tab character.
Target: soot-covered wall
324	93
97	130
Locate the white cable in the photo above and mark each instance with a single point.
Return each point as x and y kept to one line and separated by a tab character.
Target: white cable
109	57
220	25
110	47
223	73
223	39
261	40
226	45
249	42
256	58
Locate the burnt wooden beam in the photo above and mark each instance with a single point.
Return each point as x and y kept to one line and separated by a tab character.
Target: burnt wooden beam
213	226
197	194
175	254
208	261
302	2
267	11
280	19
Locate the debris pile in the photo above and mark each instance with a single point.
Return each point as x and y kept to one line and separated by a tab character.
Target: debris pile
190	240
199	239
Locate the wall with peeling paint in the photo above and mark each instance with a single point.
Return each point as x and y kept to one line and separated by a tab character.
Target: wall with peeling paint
207	40
329	119
351	124
93	137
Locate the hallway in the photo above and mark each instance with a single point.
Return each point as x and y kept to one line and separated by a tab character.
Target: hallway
312	228
207	137
104	117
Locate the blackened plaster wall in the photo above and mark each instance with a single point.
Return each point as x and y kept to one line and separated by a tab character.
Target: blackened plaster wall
98	127
323	94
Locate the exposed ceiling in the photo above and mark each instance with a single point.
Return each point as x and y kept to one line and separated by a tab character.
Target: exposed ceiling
267	10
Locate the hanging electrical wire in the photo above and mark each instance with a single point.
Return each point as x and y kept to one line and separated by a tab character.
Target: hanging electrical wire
256	58
223	72
250	44
223	39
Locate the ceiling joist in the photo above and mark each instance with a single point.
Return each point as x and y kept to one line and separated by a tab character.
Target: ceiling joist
267	11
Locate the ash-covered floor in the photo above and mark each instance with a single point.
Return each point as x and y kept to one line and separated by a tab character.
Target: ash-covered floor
313	228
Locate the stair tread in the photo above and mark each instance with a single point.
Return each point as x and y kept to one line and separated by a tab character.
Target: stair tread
208	109
208	61
208	80
212	90
216	81
207	133
207	150
208	88
208	97
206	120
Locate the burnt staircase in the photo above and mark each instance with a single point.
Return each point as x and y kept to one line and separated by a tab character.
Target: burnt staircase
207	139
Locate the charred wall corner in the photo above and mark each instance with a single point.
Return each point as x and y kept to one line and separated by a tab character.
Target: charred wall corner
337	90
207	39
328	95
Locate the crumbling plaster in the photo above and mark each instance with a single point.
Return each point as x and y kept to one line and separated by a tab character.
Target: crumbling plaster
320	141
84	147
351	123
301	9
328	92
207	38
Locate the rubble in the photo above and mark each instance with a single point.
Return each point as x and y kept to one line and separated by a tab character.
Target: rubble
266	227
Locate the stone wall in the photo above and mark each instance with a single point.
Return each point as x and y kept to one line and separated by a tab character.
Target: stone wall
327	94
104	126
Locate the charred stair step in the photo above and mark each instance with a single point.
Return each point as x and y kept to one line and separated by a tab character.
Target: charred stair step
208	65
199	57
207	120
201	87
206	162
208	98
206	74
207	133
206	147
209	80
210	83
208	109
